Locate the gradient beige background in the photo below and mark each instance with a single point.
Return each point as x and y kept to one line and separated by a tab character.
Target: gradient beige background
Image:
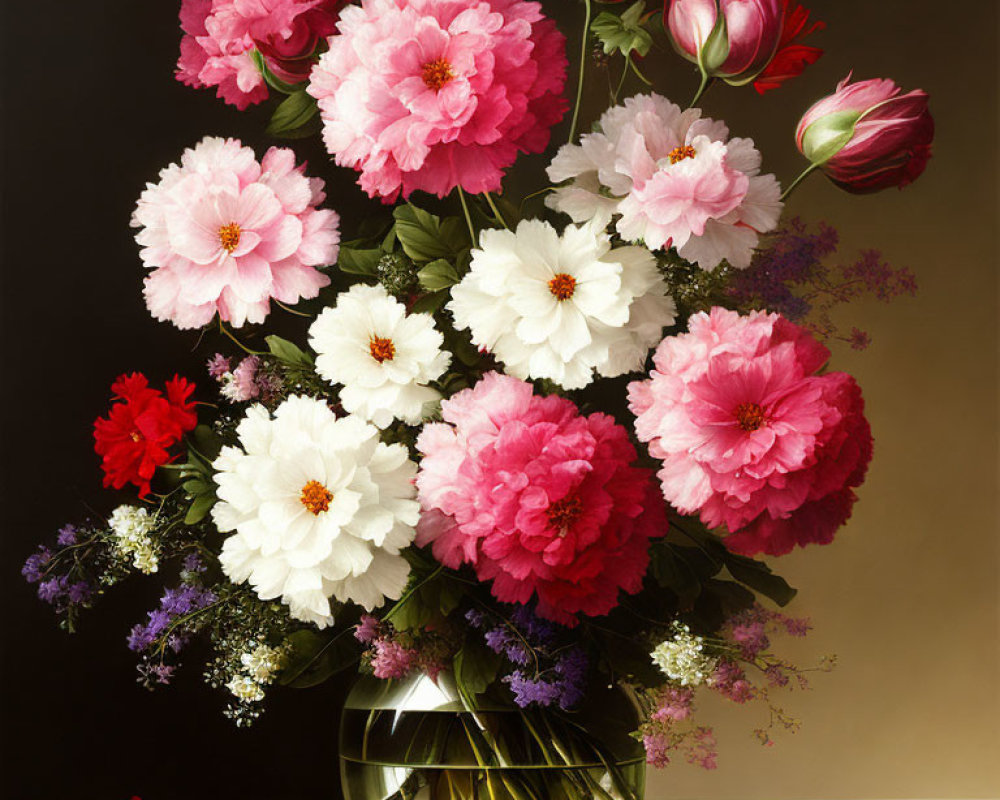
907	596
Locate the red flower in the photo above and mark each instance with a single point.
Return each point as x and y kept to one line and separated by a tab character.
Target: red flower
135	437
791	57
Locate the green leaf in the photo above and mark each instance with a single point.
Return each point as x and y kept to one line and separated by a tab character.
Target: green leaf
475	668
428	605
758	576
429	303
715	51
437	275
207	442
289	353
199	508
671	572
624	34
732	597
426	237
315	657
359	262
292	114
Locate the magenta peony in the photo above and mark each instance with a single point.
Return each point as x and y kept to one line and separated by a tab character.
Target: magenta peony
219	36
751	438
225	234
867	136
538	498
433	94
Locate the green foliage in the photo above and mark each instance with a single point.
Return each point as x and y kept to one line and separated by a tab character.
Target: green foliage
429	598
270	78
437	275
425	237
288	353
475	667
316	656
359	261
624	34
292	118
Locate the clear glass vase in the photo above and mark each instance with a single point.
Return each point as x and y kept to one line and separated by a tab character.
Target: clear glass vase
415	739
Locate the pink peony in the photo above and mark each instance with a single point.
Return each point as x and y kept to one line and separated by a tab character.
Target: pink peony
433	94
675	178
219	36
538	498
225	234
751	438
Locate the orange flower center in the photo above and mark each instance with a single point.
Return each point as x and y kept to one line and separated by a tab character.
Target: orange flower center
563	513
437	73
229	236
135	436
316	497
562	286
381	349
750	416
680	153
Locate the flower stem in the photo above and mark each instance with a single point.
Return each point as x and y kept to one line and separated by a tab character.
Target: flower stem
706	82
242	346
496	211
788	192
468	219
584	40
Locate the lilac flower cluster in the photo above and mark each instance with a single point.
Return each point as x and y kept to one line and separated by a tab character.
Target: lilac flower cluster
62	590
176	602
556	676
790	277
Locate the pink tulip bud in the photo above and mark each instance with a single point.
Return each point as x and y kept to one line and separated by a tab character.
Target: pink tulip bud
742	40
867	136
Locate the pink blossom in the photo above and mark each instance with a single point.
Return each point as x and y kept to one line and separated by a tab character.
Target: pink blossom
657	749
537	498
244	386
673	703
219	36
730	681
391	659
225	234
750	437
433	94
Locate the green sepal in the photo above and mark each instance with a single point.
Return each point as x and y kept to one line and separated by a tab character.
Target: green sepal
624	34
828	135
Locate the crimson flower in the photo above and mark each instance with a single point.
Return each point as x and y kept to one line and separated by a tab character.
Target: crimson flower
135	437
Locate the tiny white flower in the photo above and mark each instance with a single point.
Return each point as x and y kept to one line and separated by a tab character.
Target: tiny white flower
317	507
682	658
263	663
132	526
561	307
246	689
383	357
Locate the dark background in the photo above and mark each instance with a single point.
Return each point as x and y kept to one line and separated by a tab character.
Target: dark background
91	111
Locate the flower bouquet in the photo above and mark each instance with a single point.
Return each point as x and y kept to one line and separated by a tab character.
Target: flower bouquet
520	470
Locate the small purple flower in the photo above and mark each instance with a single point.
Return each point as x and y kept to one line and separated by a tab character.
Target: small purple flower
531	691
67	536
218	365
538	632
367	630
475	617
79	592
572	670
193	564
32	569
53	590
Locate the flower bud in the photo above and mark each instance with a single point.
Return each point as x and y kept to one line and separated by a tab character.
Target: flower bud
743	40
868	136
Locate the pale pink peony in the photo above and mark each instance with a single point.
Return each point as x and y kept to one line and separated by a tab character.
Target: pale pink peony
672	178
538	498
751	438
219	36
433	94
225	234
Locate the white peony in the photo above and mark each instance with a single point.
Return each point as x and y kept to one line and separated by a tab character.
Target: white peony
560	307
670	178
318	507
383	358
